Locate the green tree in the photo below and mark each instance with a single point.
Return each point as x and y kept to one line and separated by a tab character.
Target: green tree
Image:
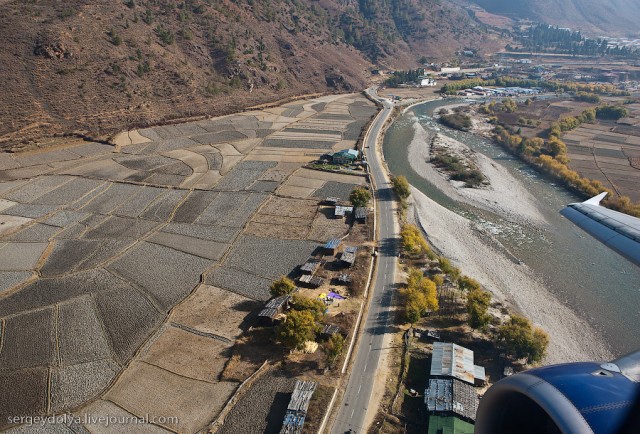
360	196
522	340
313	305
298	328
282	286
478	302
333	348
401	186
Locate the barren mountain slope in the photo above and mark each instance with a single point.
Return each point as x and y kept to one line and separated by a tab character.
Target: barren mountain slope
100	67
612	17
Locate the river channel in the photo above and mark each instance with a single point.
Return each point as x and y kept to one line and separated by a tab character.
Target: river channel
595	282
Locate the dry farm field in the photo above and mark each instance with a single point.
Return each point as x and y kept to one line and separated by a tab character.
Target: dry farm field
128	272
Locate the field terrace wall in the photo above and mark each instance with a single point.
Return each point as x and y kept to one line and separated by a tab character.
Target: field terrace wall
127	272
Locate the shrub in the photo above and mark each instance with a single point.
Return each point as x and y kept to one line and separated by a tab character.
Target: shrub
458	121
401	186
333	348
610	112
165	35
478	302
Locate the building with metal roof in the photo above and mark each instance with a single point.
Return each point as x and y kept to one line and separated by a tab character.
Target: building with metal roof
311	281
348	258
311	266
451	360
274	308
361	214
448	425
297	408
332	246
342	211
451	397
346	156
344	278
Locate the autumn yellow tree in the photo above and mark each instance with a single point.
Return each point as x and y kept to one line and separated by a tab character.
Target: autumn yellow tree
420	295
413	242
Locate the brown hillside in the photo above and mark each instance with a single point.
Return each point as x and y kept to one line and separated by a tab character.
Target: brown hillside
96	68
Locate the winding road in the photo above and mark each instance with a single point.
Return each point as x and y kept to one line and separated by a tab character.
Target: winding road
353	409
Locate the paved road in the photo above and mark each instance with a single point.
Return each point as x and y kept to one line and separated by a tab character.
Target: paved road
355	402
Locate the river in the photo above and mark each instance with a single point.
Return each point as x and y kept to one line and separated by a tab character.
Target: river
596	283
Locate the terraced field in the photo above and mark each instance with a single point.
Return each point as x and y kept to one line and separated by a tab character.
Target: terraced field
127	272
609	152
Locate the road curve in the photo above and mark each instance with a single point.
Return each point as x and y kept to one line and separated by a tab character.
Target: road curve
355	402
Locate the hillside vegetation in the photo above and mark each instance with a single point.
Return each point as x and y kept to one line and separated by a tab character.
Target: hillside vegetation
100	67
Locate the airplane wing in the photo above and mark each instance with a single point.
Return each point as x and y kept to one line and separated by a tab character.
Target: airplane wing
618	231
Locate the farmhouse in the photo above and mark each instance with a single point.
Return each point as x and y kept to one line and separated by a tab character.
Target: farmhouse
347	156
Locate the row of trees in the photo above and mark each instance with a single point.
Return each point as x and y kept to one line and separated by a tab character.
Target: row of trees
551	155
401	77
549	85
546	38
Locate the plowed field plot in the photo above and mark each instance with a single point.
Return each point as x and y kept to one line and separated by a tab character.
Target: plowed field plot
269	257
192	355
216	311
161	249
74	385
335	189
612	153
193	402
307	144
166	274
240	282
263	406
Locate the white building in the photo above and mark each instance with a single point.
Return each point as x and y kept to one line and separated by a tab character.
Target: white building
427	82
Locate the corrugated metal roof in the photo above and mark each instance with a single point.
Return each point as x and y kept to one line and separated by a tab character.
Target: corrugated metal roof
342	210
351	249
451	396
333	243
361	212
348	257
277	302
268	312
452	360
479	373
306	278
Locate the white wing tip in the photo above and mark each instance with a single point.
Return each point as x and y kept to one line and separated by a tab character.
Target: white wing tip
596	199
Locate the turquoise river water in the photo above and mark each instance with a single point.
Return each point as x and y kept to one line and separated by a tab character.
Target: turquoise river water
598	284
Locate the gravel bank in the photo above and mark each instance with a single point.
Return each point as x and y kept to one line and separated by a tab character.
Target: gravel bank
572	338
504	195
